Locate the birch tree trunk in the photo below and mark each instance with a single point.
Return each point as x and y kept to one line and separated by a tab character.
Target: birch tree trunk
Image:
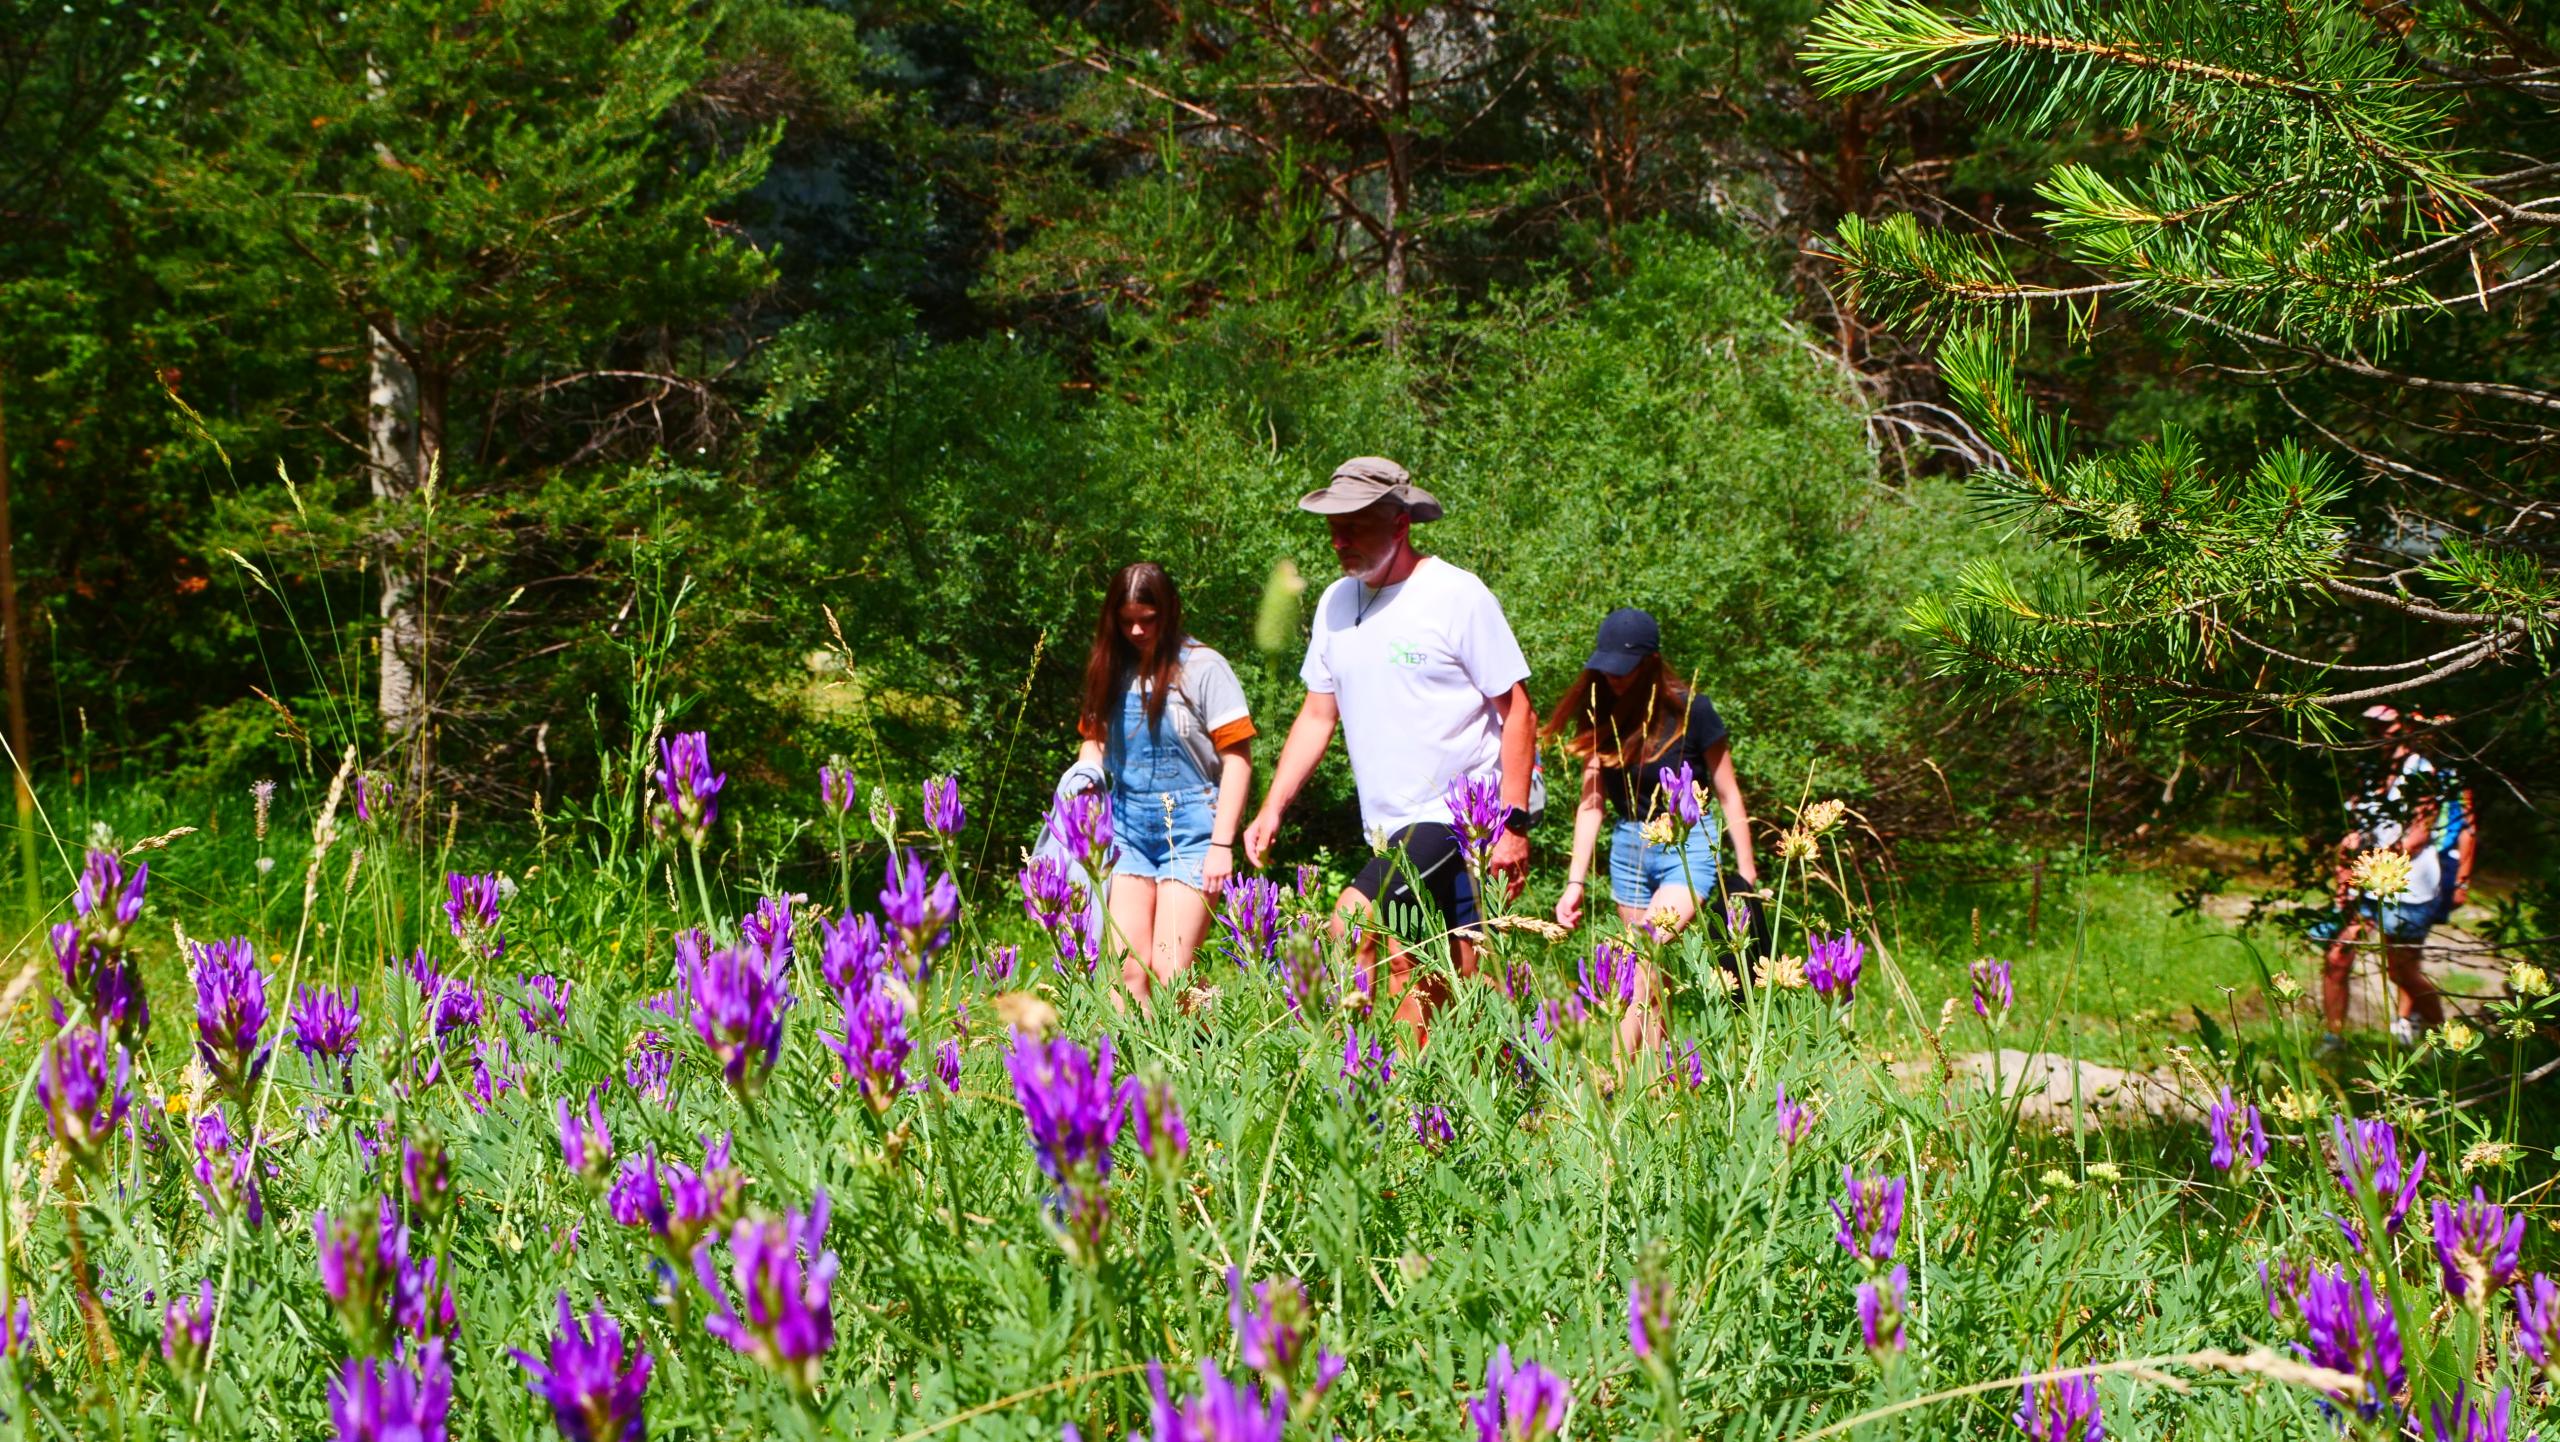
398	464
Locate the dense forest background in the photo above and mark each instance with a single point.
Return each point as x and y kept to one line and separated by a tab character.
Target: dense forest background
824	358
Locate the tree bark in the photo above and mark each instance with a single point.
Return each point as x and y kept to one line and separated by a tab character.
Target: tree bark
397	462
13	659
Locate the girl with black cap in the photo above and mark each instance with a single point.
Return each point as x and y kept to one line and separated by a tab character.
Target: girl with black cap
1630	719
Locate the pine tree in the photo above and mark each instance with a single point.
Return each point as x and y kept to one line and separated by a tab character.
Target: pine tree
2351	206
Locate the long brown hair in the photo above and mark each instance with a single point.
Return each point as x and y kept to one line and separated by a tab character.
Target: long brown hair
1636	725
1115	661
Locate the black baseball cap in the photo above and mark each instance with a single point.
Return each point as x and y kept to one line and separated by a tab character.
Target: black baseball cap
1627	636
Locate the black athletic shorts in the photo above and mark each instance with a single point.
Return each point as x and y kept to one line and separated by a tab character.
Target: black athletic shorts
1429	852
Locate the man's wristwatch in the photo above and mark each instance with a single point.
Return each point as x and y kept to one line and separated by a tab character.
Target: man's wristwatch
1516	820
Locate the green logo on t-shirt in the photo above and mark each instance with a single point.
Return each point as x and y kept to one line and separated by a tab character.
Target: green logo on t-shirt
1404	653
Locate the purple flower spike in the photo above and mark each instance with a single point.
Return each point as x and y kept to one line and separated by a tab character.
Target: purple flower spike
1526	1403
835	789
1882	1305
737	997
399	1400
2476	1246
452	1004
943	813
2537	1320
1052	897
1870	1215
1432	1129
1991	989
186	1329
946	1067
595	1396
781	1314
2239	1136
324	1023
918	913
1250	913
1082	824
18	1328
586	1144
1609	978
1680	799
875	1044
107	900
81	1082
2348	1327
1649	1318
231	1009
2060	1409
1366	1068
851	953
2368	1161
1272	1323
768	927
675	1204
1074	1111
546	1005
352	1264
225	1178
1831	965
2468	1423
1164	1139
1795	1119
1683	1062
471	912
1224	1411
1476	810
687	787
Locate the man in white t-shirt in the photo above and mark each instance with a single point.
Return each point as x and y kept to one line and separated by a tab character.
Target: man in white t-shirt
1411	656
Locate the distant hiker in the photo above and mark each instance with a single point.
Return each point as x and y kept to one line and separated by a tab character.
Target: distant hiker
1631	720
1165	719
1411	656
2457	833
2395	810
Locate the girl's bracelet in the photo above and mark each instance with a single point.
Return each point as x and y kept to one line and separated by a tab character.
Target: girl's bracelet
1574	883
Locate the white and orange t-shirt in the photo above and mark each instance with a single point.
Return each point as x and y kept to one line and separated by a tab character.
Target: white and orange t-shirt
1206	712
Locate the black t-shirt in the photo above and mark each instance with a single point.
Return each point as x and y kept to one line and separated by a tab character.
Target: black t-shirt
1631	790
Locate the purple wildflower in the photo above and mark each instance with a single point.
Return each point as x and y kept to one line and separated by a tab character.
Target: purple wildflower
1250	913
1056	900
493	1075
1477	813
2368	1162
1526	1403
1306	880
451	1003
651	1071
108	901
2468	1423
231	1009
920	914
1082	825
1649	1318
1831	965
403	1399
2060	1409
103	978
186	1329
471	912
738	996
1991	989
2239	1135
1224	1411
426	1178
594	1395
1882	1304
18	1328
850	952
1074	1111
81	1082
2347	1326
2537	1320
1683	1062
1680	798
1609	978
225	1177
1001	963
1367	1067
586	1144
1164	1139
1870	1215
1794	1118
371	789
675	1203
875	1044
835	789
768	927
943	813
782	1313
324	1023
946	1067
546	1005
1432	1129
2476	1246
687	787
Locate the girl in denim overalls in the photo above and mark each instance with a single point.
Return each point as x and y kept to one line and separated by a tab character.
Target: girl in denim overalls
1165	718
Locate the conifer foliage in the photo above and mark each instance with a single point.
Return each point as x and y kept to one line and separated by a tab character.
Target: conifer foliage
2337	203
